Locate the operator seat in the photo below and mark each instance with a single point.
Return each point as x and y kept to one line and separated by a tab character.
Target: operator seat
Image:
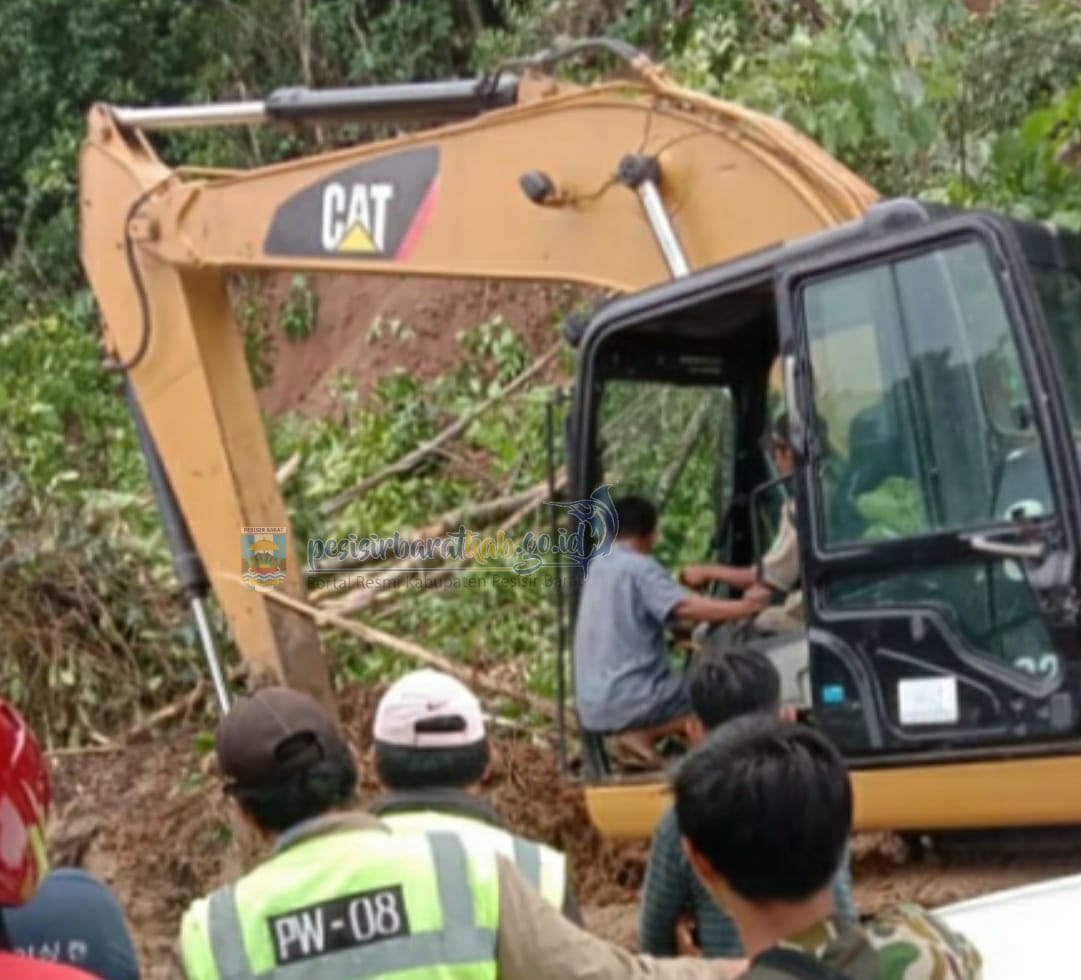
876	451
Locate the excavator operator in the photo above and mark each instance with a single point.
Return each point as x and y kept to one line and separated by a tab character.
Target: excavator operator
778	571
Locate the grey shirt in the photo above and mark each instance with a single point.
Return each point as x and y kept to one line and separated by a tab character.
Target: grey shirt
620	652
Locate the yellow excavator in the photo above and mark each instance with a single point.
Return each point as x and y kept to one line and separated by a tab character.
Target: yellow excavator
928	359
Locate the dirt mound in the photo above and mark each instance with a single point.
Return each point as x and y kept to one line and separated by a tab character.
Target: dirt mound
526	788
355	329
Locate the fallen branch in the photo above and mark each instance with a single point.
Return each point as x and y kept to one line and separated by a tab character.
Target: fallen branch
288	469
479	514
168	712
86	750
411	459
416	652
183	705
687	441
388	592
345	602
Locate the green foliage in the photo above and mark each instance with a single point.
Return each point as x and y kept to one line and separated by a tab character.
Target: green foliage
916	93
299	313
253	321
84	570
667	444
62	58
1033	171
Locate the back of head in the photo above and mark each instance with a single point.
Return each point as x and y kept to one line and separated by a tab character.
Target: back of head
75	919
24	807
429	734
637	516
725	684
768	805
283	758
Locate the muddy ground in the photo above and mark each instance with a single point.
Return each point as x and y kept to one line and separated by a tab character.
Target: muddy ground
150	819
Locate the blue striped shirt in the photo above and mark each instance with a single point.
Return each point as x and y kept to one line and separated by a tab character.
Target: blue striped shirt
672	888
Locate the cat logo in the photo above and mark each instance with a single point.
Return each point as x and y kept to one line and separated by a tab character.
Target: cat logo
355	218
372	210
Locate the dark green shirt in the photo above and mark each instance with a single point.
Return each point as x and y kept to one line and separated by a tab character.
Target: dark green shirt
672	887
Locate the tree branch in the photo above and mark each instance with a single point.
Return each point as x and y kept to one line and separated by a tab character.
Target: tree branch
376	637
411	459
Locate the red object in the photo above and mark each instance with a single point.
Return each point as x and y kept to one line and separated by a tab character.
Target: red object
14	967
24	807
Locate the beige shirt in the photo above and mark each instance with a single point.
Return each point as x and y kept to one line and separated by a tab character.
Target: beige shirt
780	570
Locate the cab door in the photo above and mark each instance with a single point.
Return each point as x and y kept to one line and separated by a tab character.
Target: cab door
937	495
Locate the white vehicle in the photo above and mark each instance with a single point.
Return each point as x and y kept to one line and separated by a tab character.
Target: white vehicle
1023	932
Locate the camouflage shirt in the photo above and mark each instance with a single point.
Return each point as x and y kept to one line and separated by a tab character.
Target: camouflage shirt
903	942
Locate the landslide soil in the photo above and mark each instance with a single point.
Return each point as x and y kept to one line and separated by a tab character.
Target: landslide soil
435	311
151	820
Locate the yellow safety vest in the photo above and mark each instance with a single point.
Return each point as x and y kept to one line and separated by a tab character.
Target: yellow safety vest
352	903
543	867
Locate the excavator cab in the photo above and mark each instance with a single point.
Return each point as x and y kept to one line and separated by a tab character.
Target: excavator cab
928	362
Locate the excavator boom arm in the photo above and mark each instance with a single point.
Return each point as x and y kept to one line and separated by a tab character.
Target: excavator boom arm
607	185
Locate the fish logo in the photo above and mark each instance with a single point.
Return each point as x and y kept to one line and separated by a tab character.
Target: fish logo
262	557
597	517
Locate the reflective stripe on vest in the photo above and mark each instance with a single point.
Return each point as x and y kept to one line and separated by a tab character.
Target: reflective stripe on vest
461	941
544	868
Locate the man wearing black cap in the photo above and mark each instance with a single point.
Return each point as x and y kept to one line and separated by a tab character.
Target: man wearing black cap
343	896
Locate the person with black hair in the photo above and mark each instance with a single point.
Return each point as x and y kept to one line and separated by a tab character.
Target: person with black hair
623	680
74	918
677	913
431	754
344	895
778	570
764	808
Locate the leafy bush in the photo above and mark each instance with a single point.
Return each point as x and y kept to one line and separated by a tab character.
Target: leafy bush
300	311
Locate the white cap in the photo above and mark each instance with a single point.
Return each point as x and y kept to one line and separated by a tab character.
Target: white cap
423	696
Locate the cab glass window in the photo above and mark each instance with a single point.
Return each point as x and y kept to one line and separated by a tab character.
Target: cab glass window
922	410
1060	298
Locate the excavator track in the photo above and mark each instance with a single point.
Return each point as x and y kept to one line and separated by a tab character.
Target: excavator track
941	868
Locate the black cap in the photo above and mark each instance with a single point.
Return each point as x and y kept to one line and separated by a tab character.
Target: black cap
274	732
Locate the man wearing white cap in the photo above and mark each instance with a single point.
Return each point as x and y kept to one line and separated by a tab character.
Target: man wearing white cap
431	752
